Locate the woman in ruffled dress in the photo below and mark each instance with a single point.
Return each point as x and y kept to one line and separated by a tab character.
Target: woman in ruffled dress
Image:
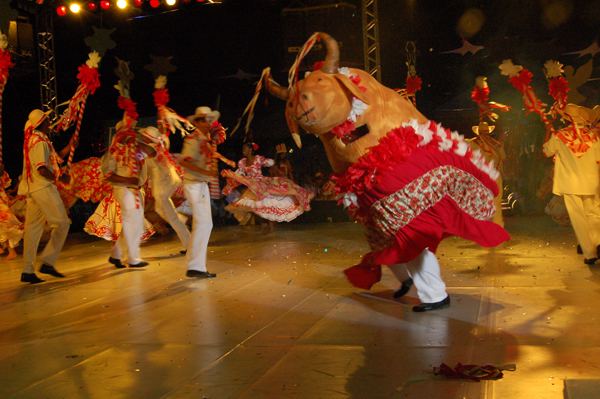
11	228
276	199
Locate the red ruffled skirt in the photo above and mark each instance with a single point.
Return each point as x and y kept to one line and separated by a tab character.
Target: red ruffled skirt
420	185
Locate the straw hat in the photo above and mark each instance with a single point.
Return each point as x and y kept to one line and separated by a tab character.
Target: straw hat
35	118
205	112
582	115
484	128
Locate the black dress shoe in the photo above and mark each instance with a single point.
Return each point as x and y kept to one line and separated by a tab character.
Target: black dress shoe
139	264
579	250
590	261
116	262
30	278
199	274
49	269
183	251
404	288
425	307
598	251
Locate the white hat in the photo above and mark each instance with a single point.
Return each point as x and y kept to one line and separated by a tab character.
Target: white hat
35	118
152	133
206	112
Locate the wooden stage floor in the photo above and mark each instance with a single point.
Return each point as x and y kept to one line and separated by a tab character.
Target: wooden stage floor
280	321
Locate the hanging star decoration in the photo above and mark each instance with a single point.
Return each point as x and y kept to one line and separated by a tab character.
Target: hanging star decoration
241	75
467	47
125	77
577	78
592	50
160	66
100	40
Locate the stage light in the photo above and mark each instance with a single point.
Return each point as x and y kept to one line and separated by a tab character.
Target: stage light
104	4
170	2
75	8
92	6
154	3
61	11
138	3
122	4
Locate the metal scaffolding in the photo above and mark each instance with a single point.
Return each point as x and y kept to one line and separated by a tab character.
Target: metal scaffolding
370	23
47	64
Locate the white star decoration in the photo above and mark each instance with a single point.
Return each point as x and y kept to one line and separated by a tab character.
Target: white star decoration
467	47
553	69
93	59
507	68
592	50
160	82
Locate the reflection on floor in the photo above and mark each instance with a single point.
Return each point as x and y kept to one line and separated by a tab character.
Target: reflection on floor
280	321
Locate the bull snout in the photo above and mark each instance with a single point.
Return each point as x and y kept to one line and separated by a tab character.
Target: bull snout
304	107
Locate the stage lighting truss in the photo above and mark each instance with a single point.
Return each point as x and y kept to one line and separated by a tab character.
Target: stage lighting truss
73	7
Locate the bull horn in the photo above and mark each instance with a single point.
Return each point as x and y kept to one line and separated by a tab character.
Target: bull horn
297	140
294	128
276	90
332	59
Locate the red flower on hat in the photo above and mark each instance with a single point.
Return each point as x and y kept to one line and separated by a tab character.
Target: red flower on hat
413	84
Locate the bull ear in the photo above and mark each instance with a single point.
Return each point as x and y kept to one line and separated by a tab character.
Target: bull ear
294	128
351	87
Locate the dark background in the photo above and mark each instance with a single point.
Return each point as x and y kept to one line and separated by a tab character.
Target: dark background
209	43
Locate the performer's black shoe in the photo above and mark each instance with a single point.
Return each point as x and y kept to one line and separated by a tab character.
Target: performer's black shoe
579	250
116	262
590	261
404	288
30	278
425	307
49	269
183	251
199	274
598	251
139	264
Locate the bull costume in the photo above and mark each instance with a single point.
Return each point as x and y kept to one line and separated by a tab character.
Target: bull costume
576	153
408	180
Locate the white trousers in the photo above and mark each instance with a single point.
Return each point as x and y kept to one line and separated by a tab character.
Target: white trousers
584	212
425	273
166	210
44	206
198	196
132	218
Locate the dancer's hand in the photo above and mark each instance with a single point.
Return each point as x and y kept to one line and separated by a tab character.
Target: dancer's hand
65	178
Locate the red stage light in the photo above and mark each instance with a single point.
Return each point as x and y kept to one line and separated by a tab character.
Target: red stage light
154	3
92	6
104	4
61	11
138	3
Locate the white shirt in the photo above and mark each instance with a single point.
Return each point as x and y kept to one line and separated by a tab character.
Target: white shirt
110	165
574	175
192	151
40	154
163	176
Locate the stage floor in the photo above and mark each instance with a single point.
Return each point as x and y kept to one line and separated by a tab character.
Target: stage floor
280	321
